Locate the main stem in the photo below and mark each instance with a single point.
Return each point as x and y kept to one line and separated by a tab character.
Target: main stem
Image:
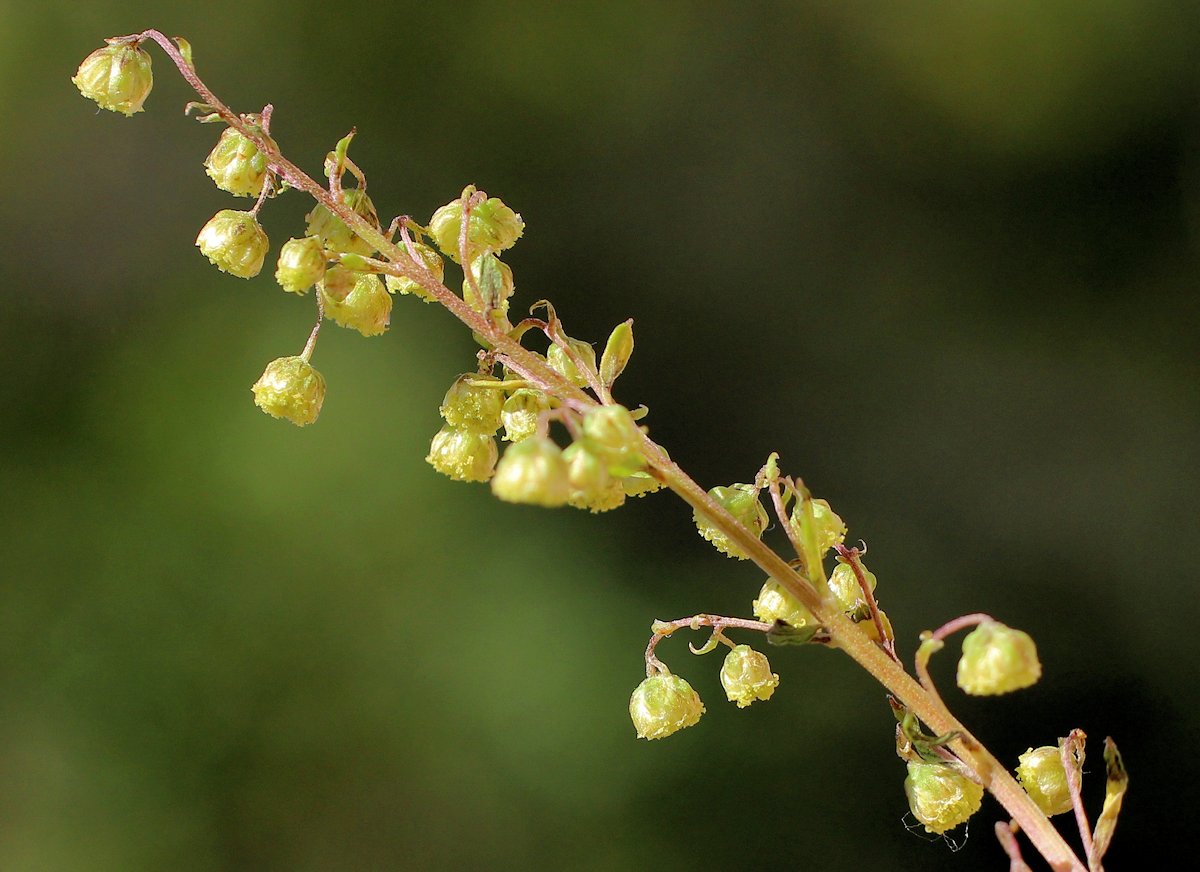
845	634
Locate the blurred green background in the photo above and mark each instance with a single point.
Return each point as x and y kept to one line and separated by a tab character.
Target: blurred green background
941	256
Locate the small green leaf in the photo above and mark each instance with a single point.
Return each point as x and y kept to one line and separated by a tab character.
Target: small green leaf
185	49
785	634
616	352
1114	795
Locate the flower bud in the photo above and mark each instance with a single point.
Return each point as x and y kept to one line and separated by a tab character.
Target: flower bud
235	242
491	227
776	604
236	165
741	501
592	487
746	676
997	659
290	388
532	471
471	407
664	704
816	518
464	455
367	307
1041	773
615	434
334	232
940	796
433	263
494	280
846	589
520	413
118	77
564	366
639	484
301	264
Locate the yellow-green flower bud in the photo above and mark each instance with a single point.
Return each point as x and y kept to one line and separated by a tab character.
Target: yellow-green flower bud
334	232
592	487
940	796
433	262
615	434
236	165
564	366
846	590
816	518
520	413
235	242
367	307
997	659
492	227
1041	773
471	407
741	501
464	455
301	264
746	676
290	388
118	77
776	604
494	280
532	471
664	704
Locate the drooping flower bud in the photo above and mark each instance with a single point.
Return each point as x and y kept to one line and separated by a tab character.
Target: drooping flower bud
564	366
532	471
491	227
464	455
664	704
776	604
290	388
433	262
473	407
997	659
118	77
1041	773
615	434
235	242
236	165
592	487
940	796
367	307
520	413
741	501
334	232
301	264
746	676
846	589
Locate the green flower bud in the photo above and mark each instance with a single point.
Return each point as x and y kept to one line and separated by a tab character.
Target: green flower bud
532	471
236	165
846	590
301	264
815	517
940	796
1041	773
235	242
334	232
474	408
664	704
746	676
492	227
290	388
520	413
591	486
367	307
464	455
118	77
997	659
494	279
776	604
614	433
741	501
564	366
433	263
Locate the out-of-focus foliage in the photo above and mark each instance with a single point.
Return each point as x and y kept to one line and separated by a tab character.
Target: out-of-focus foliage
941	256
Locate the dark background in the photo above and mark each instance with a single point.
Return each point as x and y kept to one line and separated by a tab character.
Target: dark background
941	256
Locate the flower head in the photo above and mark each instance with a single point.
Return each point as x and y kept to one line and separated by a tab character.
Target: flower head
664	704
290	388
746	676
235	243
997	659
1042	774
118	77
940	796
